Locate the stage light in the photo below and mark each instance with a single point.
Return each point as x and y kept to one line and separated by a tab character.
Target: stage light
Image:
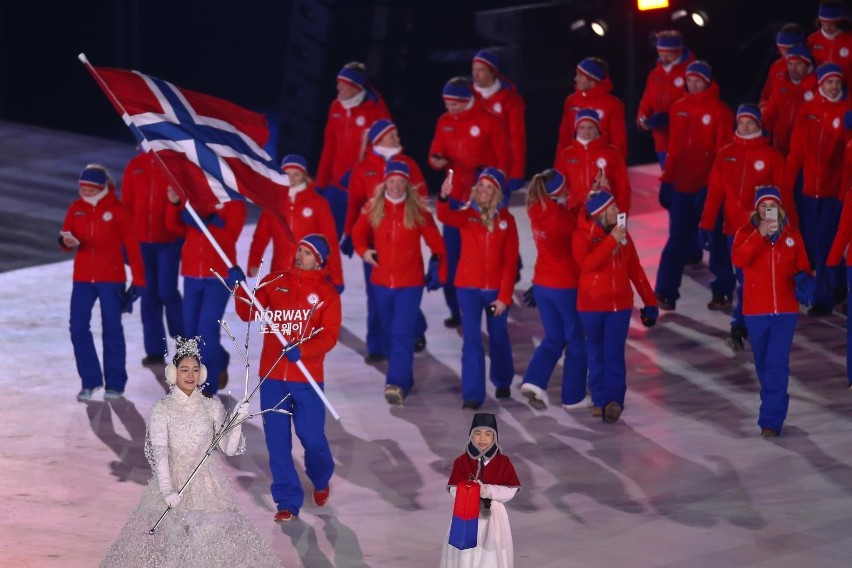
577	25
700	18
599	27
651	4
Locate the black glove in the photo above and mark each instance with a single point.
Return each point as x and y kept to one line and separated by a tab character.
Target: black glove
433	281
649	315
705	237
130	296
529	297
346	246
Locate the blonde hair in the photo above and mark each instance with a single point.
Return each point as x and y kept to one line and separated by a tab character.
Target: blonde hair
487	210
537	192
414	207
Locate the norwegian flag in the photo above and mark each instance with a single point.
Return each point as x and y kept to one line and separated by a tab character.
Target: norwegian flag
211	147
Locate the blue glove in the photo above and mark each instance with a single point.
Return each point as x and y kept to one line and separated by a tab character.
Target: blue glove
235	274
705	237
657	120
344	181
666	191
215	220
346	246
433	281
293	354
514	184
847	119
130	296
340	288
649	315
529	297
188	220
805	288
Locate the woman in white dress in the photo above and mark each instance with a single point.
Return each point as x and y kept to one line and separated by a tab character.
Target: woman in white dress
204	527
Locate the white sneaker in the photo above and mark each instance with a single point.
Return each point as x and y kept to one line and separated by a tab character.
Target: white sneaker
585	403
85	394
535	395
111	393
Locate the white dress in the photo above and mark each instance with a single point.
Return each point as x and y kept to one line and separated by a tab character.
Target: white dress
206	529
494	547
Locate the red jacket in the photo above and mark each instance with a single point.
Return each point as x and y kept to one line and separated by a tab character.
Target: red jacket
835	50
777	72
610	112
198	256
662	89
768	269
699	125
817	146
344	136
508	105
607	270
784	101
552	226
398	247
471	140
488	259
103	229
288	303
307	214
844	234
739	167
580	163
143	192
367	175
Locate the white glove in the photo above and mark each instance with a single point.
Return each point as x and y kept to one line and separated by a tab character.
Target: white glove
172	499
242	411
232	442
484	490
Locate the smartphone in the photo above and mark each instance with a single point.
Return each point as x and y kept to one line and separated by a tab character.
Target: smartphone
772	213
375	257
621	220
491	309
69	235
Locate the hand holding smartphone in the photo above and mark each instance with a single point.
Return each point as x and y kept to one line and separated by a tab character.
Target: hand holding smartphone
621	220
772	216
69	239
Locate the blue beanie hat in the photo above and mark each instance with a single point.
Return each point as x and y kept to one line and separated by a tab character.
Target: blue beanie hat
700	69
592	69
93	177
317	245
555	183
827	70
800	52
353	76
294	161
489	59
589	114
495	176
456	92
831	12
394	168
598	202
789	39
670	43
751	111
766	193
379	129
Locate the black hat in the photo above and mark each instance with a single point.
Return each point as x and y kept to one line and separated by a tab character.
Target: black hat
483	421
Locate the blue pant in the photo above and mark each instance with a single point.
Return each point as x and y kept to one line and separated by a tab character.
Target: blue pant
472	302
737	317
375	337
562	333
111	297
338	200
309	420
606	337
820	218
204	301
399	308
771	337
452	242
162	261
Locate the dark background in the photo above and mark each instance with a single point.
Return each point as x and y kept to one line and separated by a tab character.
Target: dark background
281	57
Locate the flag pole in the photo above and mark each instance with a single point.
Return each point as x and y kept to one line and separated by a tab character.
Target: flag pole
120	108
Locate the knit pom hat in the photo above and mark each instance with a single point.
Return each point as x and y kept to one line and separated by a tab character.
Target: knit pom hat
588	114
828	70
592	69
317	245
489	59
598	202
670	42
556	182
831	12
495	176
93	176
767	193
800	52
352	76
294	161
483	421
394	168
379	129
700	69
789	39
456	92
751	111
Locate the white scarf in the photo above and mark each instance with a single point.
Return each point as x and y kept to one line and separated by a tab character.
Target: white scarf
752	136
295	189
352	102
486	92
93	200
395	200
826	36
835	99
386	152
582	141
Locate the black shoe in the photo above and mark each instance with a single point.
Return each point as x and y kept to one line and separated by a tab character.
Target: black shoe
420	344
374	358
472	404
719	302
611	412
503	392
151	360
452	322
819	311
736	340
